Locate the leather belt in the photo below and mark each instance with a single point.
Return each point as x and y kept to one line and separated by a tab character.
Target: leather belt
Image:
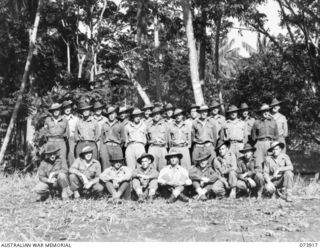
180	145
158	145
206	144
57	138
112	144
236	141
265	139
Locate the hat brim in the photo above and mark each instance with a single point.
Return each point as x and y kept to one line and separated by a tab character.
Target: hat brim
54	109
278	144
136	114
193	107
253	149
85	108
52	151
117	160
264	110
227	143
204	110
108	113
275	104
98	107
146	156
202	158
215	106
86	152
129	110
146	108
180	113
179	155
231	111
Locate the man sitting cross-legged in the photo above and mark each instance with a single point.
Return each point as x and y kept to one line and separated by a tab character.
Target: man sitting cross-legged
203	176
174	177
117	179
85	173
145	183
52	175
249	174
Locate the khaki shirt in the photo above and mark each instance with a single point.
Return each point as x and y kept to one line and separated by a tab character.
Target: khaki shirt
72	121
249	121
111	132
120	175
235	130
282	124
158	133
91	171
46	168
272	164
87	130
179	134
196	174
151	171
135	133
100	120
266	128
56	127
175	175
221	120
204	131
224	165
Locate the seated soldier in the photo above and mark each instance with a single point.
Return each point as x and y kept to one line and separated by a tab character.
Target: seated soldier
225	164
85	173
174	177
52	175
145	182
203	177
117	179
250	175
278	172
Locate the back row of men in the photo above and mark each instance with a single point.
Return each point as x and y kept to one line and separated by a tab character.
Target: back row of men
130	131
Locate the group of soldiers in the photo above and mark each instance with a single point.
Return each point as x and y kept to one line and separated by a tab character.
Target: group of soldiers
165	151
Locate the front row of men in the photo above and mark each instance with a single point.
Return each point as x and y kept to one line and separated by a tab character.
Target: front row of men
224	176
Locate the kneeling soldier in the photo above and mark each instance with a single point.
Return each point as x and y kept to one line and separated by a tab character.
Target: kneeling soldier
278	171
225	164
174	177
249	173
145	182
52	175
117	179
203	177
85	173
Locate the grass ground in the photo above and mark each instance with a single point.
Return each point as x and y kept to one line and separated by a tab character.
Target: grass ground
23	219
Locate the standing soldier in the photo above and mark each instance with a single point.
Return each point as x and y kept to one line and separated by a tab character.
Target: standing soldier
52	175
135	134
250	176
168	112
111	139
180	138
225	164
264	131
204	135
87	131
220	120
147	111
97	109
281	121
278	171
234	131
57	130
72	121
193	112
123	117
244	109
158	139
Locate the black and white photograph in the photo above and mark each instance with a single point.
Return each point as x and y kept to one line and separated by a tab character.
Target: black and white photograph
159	121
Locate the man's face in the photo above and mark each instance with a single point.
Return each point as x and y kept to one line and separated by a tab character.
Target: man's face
276	151
86	113
223	150
112	116
203	164
174	160
215	111
67	110
98	112
147	113
245	114
157	117
117	165
179	118
136	119
193	113
233	115
248	154
265	114
56	113
276	109
123	116
203	115
88	156
169	113
145	162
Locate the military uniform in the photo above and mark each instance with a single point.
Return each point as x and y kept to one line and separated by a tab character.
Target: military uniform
72	121
282	124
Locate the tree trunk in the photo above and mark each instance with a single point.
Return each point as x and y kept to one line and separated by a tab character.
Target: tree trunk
81	59
157	52
13	119
68	58
203	45
140	90
193	58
